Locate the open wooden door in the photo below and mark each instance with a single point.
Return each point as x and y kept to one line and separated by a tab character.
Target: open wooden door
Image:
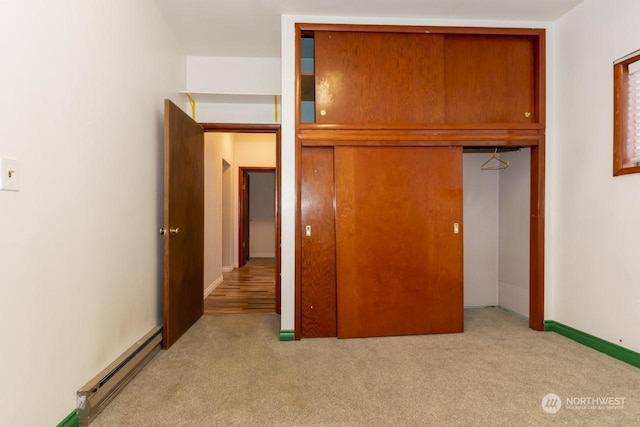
183	223
244	216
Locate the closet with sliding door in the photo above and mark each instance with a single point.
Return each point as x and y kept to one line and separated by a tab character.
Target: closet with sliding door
383	116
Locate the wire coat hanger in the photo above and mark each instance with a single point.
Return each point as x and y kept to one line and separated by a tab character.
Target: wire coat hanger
502	164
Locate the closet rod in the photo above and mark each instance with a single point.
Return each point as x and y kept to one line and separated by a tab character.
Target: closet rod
490	150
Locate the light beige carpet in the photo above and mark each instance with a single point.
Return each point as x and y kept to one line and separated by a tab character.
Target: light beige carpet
231	370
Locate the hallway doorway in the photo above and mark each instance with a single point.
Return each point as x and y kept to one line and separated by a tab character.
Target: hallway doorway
232	146
257	213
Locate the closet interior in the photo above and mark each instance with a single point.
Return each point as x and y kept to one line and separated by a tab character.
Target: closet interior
496	207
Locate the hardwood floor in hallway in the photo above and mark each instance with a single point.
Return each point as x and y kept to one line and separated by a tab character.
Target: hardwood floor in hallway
249	289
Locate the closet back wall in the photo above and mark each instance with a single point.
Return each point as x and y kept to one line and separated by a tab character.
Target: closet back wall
481	219
496	233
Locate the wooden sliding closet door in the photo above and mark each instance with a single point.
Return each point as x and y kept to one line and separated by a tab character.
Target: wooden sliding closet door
398	259
318	273
369	77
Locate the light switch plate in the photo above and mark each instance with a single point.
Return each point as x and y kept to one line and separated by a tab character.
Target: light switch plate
9	174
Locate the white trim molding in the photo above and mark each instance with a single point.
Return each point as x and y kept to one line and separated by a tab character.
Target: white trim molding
212	286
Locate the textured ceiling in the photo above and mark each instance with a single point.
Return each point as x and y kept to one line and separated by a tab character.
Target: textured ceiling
252	27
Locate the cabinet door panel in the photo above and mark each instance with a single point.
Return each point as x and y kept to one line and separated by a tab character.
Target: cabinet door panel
398	260
318	283
382	78
489	79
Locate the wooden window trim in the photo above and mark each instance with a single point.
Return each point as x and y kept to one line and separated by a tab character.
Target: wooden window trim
622	155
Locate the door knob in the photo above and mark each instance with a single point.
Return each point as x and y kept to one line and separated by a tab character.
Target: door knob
171	230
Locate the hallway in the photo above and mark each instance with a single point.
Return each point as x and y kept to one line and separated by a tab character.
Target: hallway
249	289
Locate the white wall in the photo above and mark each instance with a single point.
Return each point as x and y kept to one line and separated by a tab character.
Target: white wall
262	111
514	233
594	279
234	89
233	75
218	147
480	232
83	84
212	214
262	228
288	176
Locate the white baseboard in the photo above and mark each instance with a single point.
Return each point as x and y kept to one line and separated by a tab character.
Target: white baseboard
513	298
262	255
522	316
212	286
227	268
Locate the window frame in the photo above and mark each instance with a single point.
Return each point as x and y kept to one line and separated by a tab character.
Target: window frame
623	142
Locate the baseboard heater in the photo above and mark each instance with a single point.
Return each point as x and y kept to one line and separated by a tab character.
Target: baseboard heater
104	387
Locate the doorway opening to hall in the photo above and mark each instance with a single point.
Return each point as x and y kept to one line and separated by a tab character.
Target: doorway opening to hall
241	220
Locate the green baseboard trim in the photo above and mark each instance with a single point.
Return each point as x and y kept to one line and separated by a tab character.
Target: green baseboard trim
72	420
286	335
613	350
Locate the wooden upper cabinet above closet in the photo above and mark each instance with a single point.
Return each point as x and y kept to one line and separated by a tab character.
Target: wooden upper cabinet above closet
445	76
383	78
489	79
